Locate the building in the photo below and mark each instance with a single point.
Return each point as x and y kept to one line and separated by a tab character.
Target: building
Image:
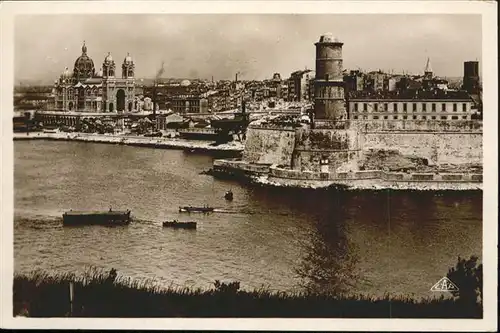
84	90
422	105
428	73
183	104
298	85
374	81
354	81
329	84
427	79
390	84
471	77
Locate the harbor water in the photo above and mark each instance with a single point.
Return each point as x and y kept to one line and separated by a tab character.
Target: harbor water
398	242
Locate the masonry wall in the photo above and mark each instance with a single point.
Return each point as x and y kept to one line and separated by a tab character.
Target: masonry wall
269	145
456	142
440	142
437	148
339	147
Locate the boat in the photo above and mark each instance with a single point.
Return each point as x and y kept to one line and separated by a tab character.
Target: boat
179	225
229	195
191	209
108	218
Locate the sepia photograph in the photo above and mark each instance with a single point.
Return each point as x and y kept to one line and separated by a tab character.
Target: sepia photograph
249	164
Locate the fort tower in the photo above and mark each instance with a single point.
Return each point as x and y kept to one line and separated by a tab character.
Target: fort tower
329	100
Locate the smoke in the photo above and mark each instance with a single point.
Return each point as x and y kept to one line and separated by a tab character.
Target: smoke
161	70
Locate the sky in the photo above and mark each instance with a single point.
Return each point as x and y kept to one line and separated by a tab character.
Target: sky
256	46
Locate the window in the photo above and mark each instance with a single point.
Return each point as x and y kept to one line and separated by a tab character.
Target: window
395	107
464	117
375	117
434	107
414	107
414	117
464	107
395	117
386	107
385	117
433	117
355	117
404	107
424	107
356	107
424	117
443	117
454	117
375	107
443	107
405	117
365	107
454	107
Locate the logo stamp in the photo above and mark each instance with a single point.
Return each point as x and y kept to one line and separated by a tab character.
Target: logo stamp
443	285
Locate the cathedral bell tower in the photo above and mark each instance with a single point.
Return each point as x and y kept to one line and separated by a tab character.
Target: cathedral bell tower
108	84
128	71
128	67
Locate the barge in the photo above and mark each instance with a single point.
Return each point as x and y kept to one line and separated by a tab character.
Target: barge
179	225
107	218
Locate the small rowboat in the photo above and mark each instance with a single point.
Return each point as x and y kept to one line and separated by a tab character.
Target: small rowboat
191	209
229	195
180	225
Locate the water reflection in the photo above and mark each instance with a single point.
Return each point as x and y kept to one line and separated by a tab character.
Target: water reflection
329	264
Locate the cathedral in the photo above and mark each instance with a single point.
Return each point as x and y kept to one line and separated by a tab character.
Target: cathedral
84	90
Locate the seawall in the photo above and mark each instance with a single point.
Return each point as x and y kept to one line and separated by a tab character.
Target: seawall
162	143
373	179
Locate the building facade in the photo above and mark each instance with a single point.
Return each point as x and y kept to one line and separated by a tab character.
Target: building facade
442	107
85	90
188	104
299	85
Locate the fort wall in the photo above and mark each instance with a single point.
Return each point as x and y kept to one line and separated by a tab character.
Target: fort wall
269	145
314	157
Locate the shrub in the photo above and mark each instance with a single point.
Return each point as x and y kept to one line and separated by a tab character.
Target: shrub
467	275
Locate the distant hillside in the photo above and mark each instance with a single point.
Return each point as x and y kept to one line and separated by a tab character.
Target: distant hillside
146	81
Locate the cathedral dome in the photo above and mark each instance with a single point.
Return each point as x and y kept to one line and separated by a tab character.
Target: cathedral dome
84	66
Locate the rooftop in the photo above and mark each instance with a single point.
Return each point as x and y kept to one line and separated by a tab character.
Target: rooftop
329	38
410	94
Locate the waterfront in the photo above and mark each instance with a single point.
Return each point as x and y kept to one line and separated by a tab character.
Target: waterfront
403	243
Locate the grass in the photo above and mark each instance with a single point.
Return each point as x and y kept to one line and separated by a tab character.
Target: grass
105	294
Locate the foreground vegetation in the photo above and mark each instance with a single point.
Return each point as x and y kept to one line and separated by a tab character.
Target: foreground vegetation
105	294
